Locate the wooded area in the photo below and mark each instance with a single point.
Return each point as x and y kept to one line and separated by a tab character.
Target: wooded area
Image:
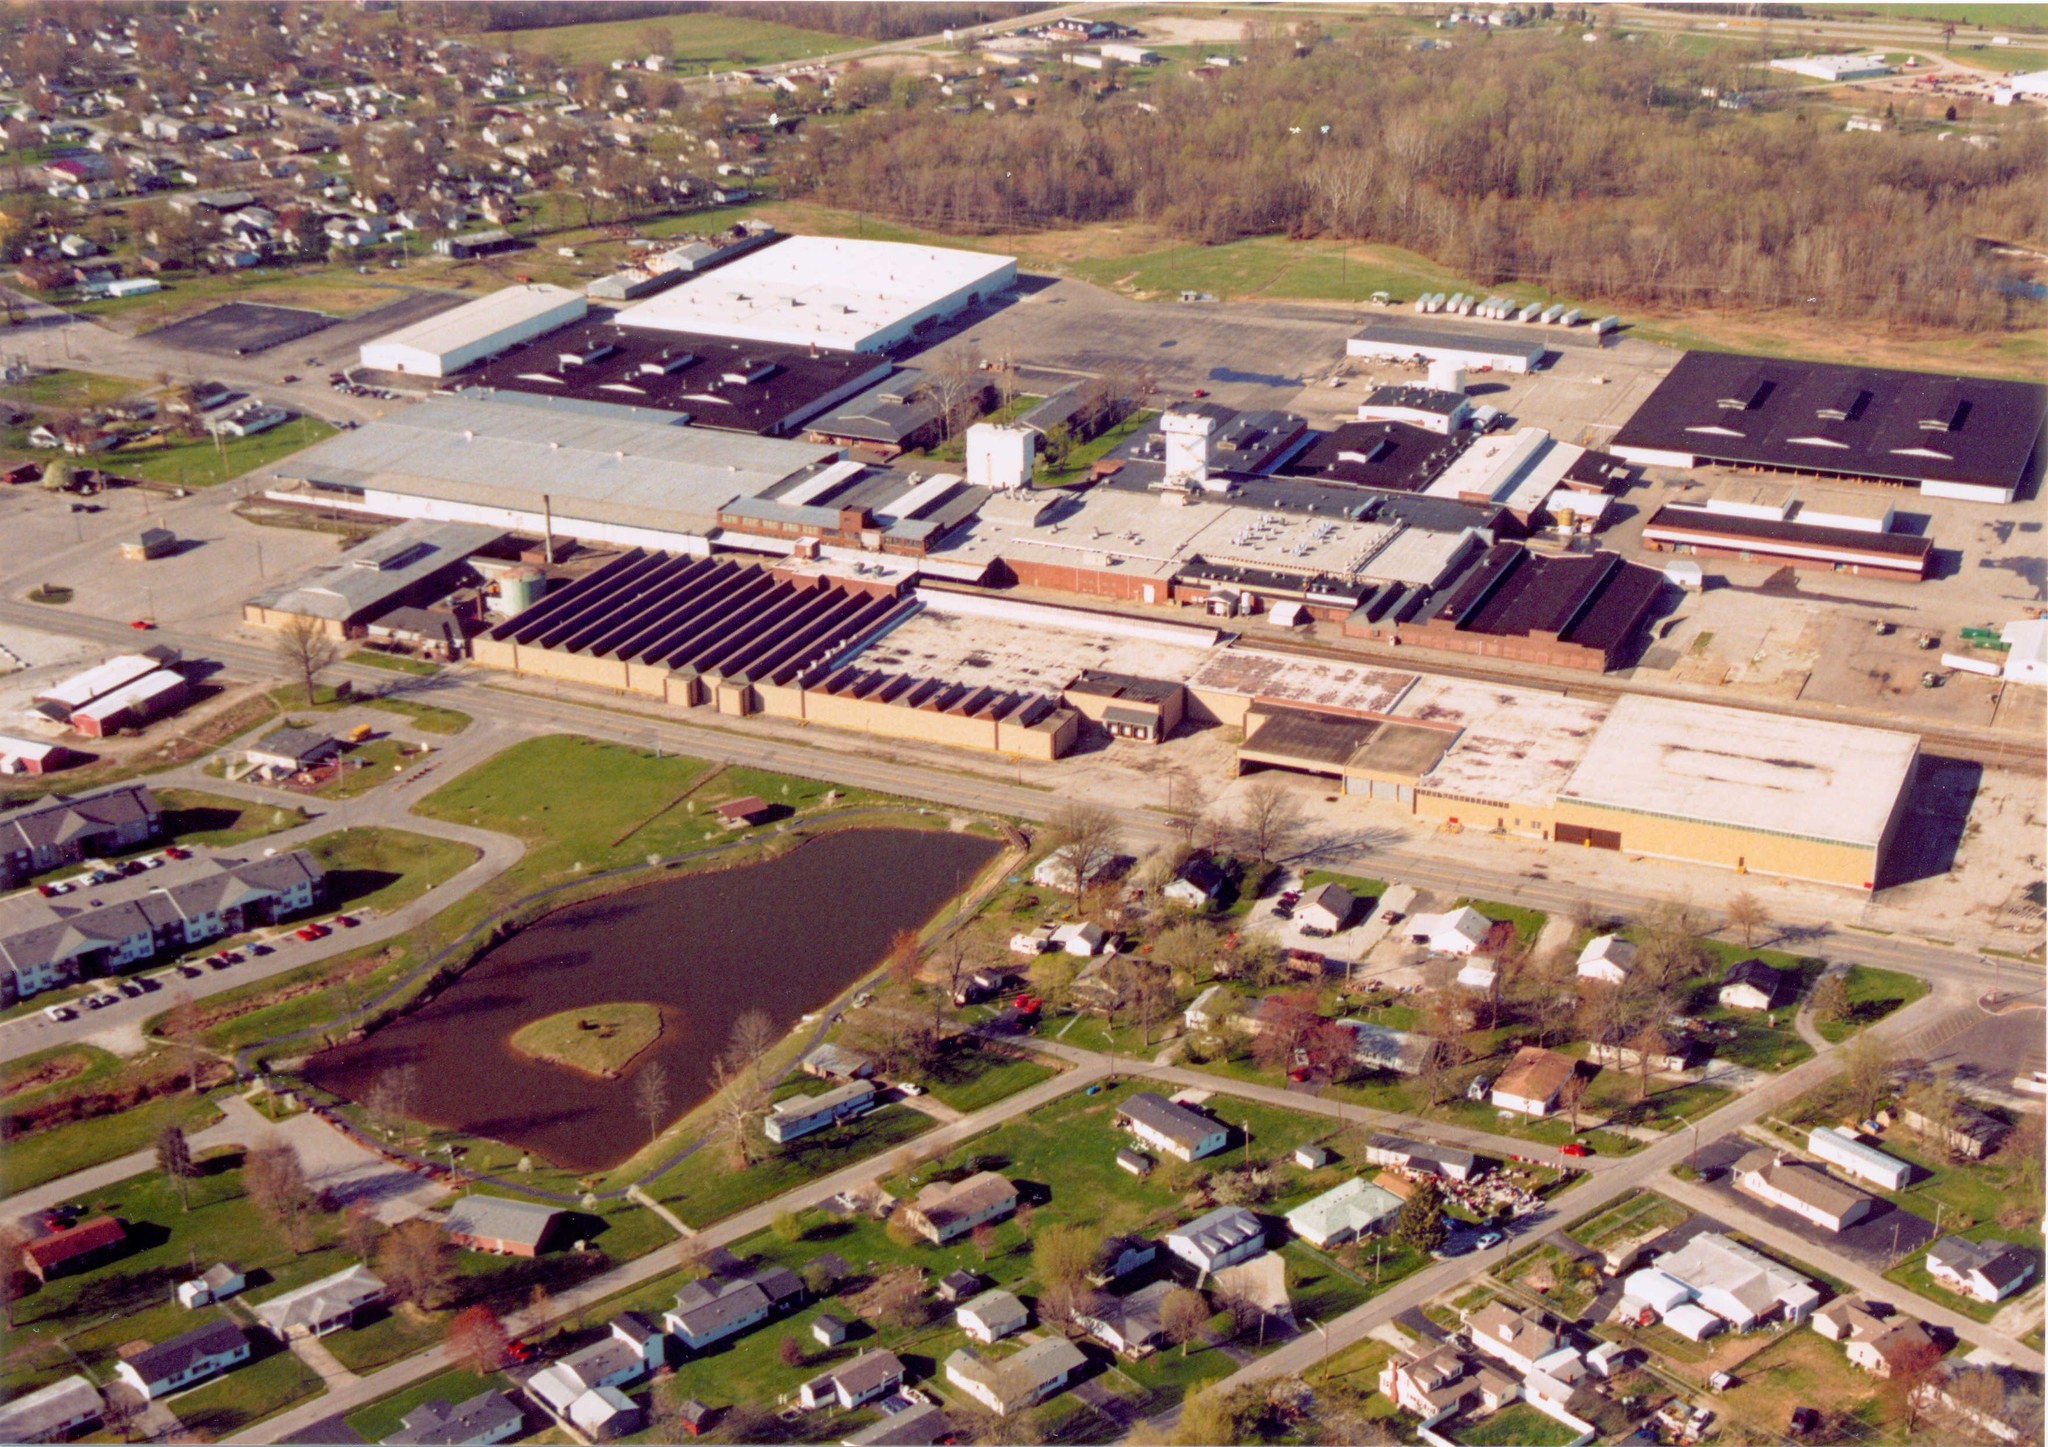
1604	170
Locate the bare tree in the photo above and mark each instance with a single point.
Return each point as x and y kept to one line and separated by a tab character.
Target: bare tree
306	650
1747	914
417	1263
389	1100
650	1094
360	1230
1573	1098
906	957
275	1180
174	1159
1088	837
477	1340
1183	1315
1668	949
1865	1076
1268	819
953	384
753	1036
736	1099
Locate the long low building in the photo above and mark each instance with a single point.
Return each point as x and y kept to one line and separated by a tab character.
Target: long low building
59	829
446	343
413	563
1970	438
630	480
1475	345
1710	533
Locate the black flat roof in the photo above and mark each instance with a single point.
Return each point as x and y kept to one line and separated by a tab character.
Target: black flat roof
1701	522
1594	601
1854	421
1390	455
736	386
1243	442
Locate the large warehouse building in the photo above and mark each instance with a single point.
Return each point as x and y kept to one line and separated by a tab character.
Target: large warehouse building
447	343
1763	793
1971	438
1503	348
828	291
538	470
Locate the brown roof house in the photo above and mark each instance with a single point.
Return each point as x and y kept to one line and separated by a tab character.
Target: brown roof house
943	1212
1533	1081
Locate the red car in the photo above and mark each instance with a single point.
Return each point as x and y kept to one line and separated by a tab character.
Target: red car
311	932
520	1351
346	921
1574	1149
172	851
1028	1004
141	625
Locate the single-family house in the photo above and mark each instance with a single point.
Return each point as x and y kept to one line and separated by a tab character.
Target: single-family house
1900	1345
82	1246
1130	1326
1607	959
1423	1157
1753	985
836	1062
945	1211
644	1335
607	1362
52	1413
1440	1382
870	1375
1960	1127
1327	907
1197	883
1533	1081
923	1426
1223	1237
1803	1189
1056	871
1509	1334
729	1302
991	1316
1456	932
1344	1213
481	1420
290	750
1847	1318
1725	1278
1184	1134
605	1414
186	1360
501	1226
320	1307
216	1283
800	1115
1118	1257
1986	1270
1013	1383
1211	1008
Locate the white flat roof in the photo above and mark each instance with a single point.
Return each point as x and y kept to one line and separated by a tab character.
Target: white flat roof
830	290
1514	744
1316	682
1808	778
472	451
457	328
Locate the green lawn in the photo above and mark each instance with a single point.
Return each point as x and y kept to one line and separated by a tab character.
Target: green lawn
266	1386
384	868
381	1418
1639	1213
706	1188
69	391
31	1160
1084	457
977	1079
1528	923
696	42
394	662
1361	888
387	1337
192	816
201	462
1912	1274
1516	1425
364	767
428	718
596	1039
1872	994
1275	268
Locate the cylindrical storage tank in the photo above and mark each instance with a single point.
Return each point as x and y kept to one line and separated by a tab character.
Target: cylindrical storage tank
1447	377
519	590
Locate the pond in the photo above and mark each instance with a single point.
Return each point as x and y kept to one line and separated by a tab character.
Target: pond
785	936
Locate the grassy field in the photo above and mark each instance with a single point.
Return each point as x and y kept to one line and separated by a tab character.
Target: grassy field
394	662
1645	1211
192	816
1516	1425
428	718
695	42
597	1039
1872	994
384	868
200	462
707	1188
69	391
364	766
976	1079
48	1154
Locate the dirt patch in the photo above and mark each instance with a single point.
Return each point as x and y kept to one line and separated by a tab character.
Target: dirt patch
50	1072
206	1017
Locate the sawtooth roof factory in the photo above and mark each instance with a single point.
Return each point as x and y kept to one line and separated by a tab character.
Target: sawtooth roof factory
1970	438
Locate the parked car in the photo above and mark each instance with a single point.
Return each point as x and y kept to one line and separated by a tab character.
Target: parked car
47	891
141	625
172	851
1487	1240
312	932
60	1013
346	921
259	949
1578	1150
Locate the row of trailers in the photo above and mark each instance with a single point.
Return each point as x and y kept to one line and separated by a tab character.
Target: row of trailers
1503	309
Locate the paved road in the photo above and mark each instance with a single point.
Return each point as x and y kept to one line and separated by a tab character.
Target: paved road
656	1263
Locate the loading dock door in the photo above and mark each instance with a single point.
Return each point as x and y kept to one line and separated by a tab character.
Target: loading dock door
1592	838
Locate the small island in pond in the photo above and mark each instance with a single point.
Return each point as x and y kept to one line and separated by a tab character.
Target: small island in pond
595	1039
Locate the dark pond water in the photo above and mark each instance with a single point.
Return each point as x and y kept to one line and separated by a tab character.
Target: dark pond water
785	937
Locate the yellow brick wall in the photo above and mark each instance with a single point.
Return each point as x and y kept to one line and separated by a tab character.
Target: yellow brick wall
1730	848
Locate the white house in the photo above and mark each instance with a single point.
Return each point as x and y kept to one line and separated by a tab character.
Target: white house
1987	1270
1034	941
1803	1189
1210	1008
1458	932
1327	907
1056	871
1197	883
1084	938
800	1115
320	1307
185	1360
1181	1133
945	1211
52	1413
1480	973
1010	1384
1608	959
1753	985
1738	1286
1223	1237
1533	1081
1841	1149
1519	1338
851	1384
991	1316
1344	1213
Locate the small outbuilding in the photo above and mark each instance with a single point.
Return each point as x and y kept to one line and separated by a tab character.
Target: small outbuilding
148	544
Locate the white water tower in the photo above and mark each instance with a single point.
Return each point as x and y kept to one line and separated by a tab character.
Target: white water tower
1187	448
999	457
1447	377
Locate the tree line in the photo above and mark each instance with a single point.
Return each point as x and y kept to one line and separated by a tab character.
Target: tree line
1609	170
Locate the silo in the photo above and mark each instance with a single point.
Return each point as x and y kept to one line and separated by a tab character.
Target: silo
1447	377
519	590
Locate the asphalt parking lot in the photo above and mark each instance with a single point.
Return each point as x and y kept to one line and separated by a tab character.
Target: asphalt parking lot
240	329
